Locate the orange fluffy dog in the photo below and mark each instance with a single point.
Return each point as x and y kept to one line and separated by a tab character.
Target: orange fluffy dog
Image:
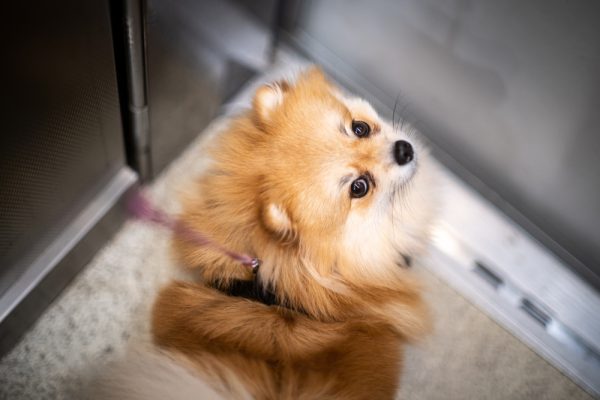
334	201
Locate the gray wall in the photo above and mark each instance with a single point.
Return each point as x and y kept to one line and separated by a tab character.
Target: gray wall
198	53
510	89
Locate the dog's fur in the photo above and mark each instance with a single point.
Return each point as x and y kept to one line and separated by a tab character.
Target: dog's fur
278	188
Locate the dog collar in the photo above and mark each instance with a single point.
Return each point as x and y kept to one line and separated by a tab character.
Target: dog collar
253	290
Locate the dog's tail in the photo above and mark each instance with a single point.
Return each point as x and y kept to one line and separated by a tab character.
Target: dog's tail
149	373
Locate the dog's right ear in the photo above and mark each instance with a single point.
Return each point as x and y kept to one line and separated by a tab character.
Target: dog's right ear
267	99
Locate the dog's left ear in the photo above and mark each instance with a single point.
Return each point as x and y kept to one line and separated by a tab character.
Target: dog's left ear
278	222
268	98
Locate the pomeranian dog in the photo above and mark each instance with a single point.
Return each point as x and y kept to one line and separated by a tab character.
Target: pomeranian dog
335	202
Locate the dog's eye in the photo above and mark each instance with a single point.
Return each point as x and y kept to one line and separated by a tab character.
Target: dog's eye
359	187
361	129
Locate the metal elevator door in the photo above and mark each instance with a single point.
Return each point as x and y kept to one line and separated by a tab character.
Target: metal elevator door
61	149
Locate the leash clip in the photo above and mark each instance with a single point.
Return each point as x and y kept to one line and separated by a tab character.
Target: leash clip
254	265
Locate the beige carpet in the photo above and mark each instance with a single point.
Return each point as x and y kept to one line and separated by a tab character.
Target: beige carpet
106	309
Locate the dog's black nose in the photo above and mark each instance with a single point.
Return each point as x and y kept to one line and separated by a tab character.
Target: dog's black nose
403	152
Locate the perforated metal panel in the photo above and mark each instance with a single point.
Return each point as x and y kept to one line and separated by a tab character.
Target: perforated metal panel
61	135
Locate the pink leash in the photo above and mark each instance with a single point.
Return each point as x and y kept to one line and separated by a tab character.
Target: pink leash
140	207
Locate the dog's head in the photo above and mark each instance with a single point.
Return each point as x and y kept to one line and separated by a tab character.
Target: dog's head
339	182
316	184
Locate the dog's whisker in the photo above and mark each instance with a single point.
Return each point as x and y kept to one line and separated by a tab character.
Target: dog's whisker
394	112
